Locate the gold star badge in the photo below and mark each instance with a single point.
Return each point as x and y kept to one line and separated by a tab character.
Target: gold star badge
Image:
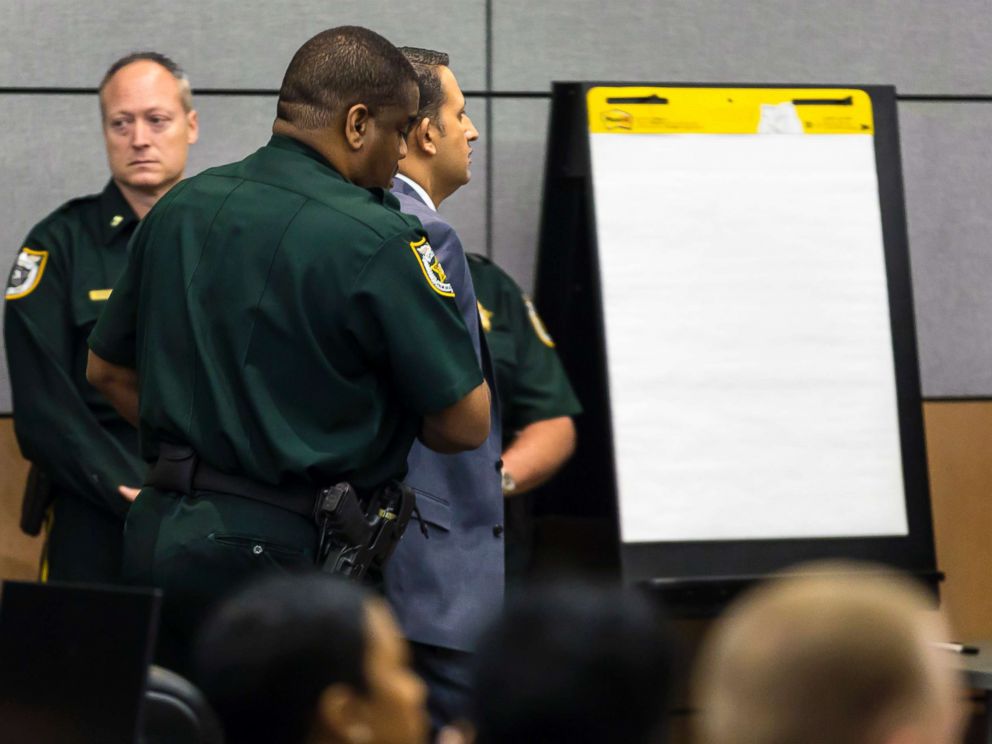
486	316
116	221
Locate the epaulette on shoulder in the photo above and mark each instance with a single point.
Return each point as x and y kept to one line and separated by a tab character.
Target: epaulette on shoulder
78	201
384	222
408	219
55	218
478	258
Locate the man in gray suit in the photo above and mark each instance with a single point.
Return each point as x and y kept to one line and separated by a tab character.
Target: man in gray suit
444	587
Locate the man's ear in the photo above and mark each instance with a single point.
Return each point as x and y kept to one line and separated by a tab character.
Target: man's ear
340	713
193	127
356	125
423	137
904	735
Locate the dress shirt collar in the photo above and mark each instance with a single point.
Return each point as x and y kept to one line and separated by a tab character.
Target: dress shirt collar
419	189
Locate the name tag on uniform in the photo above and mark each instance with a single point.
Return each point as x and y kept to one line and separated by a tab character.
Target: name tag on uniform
100	295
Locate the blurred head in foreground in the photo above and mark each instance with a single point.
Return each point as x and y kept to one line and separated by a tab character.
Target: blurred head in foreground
574	663
835	655
310	659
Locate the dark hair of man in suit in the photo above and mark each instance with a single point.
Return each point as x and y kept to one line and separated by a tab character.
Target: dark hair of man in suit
294	659
338	68
573	664
426	63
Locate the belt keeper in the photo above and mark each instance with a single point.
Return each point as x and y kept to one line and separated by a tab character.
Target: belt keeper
175	468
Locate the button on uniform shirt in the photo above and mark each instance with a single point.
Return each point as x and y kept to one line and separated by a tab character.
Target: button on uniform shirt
530	379
57	288
286	323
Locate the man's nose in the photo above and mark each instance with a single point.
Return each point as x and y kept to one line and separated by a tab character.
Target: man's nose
140	134
402	148
472	133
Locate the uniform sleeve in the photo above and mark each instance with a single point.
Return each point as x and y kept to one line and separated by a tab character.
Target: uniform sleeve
540	389
114	338
55	428
404	316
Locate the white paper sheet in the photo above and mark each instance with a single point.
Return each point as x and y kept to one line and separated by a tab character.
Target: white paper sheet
749	349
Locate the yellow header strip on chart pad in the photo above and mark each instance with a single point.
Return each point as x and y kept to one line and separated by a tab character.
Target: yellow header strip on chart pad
649	110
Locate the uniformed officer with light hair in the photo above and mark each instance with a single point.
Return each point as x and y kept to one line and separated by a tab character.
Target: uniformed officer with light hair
85	456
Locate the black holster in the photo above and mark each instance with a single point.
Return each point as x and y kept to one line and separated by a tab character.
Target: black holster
354	533
358	535
38	497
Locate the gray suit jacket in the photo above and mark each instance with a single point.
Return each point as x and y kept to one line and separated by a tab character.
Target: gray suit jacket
445	587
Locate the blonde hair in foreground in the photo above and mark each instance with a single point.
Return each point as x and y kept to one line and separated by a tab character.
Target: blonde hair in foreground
841	654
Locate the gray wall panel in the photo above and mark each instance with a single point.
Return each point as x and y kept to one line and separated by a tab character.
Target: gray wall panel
52	151
51	148
920	45
948	181
221	43
230	128
520	132
948	172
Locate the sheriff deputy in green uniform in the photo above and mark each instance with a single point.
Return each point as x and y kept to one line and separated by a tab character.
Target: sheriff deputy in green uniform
281	319
536	399
59	284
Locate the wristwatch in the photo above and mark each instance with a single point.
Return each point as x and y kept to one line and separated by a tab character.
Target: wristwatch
509	485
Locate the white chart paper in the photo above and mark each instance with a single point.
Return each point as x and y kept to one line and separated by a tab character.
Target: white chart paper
749	348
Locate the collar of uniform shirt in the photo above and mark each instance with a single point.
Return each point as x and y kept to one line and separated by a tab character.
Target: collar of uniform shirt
420	191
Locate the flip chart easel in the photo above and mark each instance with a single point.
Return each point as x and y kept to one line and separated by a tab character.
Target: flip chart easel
725	270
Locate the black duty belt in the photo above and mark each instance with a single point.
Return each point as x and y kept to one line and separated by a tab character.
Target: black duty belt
355	534
180	469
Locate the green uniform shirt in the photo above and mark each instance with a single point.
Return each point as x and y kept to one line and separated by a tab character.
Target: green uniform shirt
56	290
530	380
286	323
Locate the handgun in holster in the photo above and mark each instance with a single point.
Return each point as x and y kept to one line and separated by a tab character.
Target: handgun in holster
38	497
357	534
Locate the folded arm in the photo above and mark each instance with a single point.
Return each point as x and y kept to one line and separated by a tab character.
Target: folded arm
118	384
462	426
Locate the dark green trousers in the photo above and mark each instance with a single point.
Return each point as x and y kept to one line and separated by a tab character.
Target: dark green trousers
84	542
199	548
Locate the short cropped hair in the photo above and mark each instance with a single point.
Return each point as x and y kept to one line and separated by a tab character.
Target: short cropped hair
338	68
574	664
425	63
185	91
818	659
266	655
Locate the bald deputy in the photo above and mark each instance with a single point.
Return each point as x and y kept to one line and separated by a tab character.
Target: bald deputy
58	287
281	319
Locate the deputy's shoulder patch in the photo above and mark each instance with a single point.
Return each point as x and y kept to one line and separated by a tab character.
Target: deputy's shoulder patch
432	268
26	274
535	320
